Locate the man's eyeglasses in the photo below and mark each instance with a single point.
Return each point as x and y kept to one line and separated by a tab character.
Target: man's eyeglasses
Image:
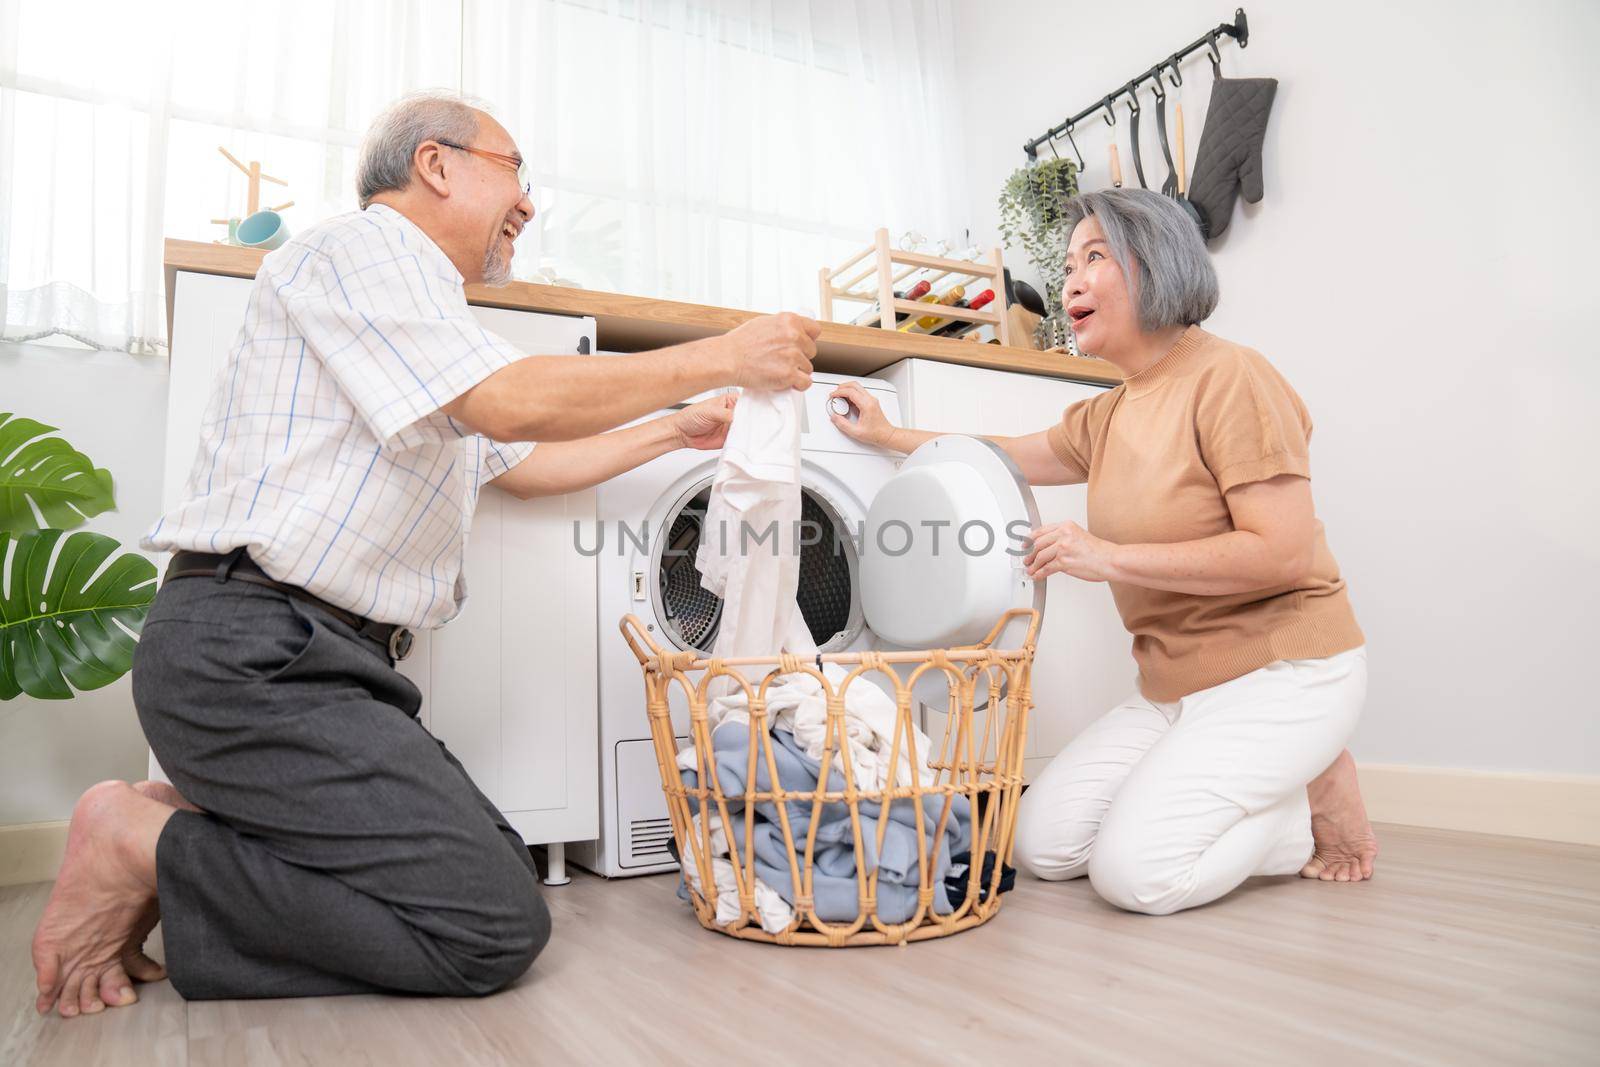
523	168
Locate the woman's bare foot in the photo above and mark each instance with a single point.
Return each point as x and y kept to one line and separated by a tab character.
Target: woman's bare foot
104	898
1344	844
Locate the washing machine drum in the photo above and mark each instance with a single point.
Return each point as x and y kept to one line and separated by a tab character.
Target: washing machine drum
936	564
941	555
692	613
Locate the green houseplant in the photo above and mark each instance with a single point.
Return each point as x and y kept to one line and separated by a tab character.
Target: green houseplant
1031	201
70	607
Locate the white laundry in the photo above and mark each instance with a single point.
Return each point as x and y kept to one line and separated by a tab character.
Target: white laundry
758	484
756	495
796	703
774	912
869	718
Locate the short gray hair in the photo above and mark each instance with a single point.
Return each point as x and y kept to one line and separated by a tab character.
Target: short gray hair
1175	283
393	137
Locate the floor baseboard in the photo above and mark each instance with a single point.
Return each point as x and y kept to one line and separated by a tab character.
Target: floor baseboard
1551	807
31	852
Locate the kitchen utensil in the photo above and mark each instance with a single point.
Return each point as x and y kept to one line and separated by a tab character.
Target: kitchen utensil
1183	184
1074	144
1024	324
1028	297
1169	186
1116	168
1134	110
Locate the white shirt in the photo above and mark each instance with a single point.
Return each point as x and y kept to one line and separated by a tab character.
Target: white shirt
323	450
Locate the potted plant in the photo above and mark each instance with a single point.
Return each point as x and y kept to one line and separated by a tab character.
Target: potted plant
1030	215
70	614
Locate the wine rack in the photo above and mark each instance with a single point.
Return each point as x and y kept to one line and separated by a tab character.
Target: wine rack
872	276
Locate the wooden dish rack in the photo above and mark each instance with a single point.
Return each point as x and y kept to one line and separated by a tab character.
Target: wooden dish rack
888	266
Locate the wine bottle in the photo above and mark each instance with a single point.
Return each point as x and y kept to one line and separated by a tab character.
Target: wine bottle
928	298
875	316
939	325
957	327
922	325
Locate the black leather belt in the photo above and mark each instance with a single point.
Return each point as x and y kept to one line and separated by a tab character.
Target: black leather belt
238	566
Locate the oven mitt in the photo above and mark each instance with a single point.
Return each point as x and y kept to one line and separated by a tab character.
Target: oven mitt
1230	149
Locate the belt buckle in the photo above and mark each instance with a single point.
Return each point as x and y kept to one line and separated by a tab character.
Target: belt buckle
400	641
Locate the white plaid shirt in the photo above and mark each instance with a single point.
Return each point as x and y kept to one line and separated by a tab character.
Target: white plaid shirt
323	450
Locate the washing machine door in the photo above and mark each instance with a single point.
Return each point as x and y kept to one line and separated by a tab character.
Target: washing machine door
942	549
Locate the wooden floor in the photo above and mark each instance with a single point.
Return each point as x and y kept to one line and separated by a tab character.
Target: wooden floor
1466	949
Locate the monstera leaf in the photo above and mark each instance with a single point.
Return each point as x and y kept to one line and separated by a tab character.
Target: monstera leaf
63	613
37	471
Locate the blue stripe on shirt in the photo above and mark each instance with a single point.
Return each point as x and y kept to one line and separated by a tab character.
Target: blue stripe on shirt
356	496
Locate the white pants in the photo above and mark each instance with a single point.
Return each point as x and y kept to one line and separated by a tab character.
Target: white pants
1169	806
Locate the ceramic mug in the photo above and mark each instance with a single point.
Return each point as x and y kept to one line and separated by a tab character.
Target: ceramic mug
264	229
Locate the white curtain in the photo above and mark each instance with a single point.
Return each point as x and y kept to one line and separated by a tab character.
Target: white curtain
718	151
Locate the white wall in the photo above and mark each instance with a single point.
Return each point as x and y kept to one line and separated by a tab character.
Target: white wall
1422	270
113	407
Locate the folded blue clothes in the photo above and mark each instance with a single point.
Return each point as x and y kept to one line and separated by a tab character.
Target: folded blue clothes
834	886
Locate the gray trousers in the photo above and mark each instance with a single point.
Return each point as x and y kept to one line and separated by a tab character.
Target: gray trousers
342	849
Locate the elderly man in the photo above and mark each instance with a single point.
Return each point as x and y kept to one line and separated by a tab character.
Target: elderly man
319	840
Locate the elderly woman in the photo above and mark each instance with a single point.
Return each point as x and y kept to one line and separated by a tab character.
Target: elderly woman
1229	761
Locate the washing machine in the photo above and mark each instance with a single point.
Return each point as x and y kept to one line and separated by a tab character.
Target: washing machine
873	575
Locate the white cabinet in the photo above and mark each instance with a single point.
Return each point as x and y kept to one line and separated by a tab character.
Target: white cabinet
1083	666
207	312
509	685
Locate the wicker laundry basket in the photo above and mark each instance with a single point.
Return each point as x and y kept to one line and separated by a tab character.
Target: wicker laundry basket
979	758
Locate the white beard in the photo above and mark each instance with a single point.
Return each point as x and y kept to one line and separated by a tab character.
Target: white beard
496	267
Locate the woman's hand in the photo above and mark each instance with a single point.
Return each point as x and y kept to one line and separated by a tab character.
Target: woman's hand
705	425
1067	548
870	426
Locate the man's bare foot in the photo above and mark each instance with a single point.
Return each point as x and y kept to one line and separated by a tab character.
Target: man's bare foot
104	897
1344	844
165	793
136	964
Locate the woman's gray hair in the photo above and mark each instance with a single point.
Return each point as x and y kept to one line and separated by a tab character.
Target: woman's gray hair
1175	283
393	137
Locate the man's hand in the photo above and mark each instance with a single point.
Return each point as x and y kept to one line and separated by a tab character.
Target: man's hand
704	425
1067	548
774	351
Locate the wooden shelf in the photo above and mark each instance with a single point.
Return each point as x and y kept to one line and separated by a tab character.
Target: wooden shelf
636	323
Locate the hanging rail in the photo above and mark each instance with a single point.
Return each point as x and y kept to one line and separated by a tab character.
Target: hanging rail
1238	29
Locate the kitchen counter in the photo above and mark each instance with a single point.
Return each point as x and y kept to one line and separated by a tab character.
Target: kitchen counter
634	323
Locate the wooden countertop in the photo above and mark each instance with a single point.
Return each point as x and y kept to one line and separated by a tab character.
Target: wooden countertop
636	323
